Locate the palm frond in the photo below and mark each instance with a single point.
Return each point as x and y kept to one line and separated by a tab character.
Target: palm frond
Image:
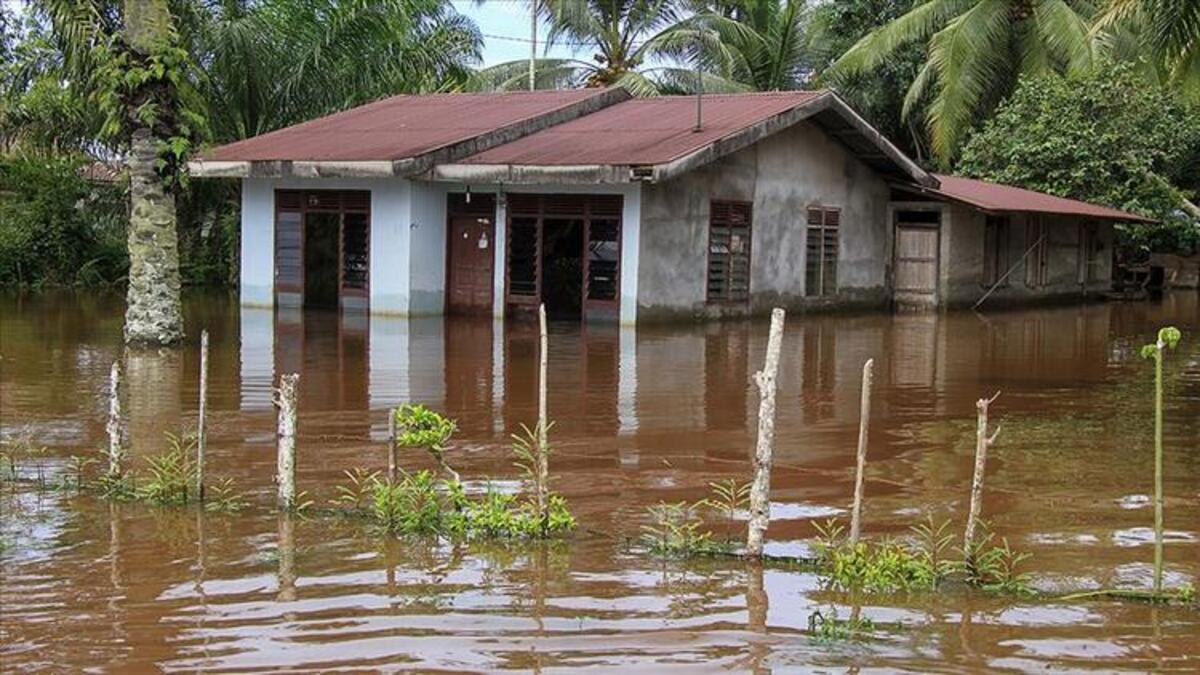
922	22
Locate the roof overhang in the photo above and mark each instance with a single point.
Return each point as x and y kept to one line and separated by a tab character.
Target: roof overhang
828	111
407	166
937	194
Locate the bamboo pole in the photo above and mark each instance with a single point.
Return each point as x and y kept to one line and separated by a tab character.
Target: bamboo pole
982	443
760	487
201	423
543	462
113	427
285	468
393	448
864	419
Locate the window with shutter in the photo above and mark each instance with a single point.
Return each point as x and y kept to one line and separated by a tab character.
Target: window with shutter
729	252
995	251
821	251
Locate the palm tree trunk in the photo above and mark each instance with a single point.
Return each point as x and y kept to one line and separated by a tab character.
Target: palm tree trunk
154	314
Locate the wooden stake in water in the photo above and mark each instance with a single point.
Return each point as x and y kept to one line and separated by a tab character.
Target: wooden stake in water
864	419
393	448
760	487
543	449
1168	337
285	469
201	423
982	443
113	427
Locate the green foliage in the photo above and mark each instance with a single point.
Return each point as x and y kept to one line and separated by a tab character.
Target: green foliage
223	497
58	228
171	474
76	476
993	567
728	498
1108	137
827	627
357	493
420	427
674	531
17	453
1168	338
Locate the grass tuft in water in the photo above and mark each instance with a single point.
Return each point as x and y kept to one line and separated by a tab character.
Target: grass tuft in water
826	627
674	531
170	474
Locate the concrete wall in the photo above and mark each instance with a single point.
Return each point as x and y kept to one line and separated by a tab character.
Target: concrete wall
782	176
962	259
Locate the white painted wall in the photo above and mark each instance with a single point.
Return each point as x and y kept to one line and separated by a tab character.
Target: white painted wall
258	243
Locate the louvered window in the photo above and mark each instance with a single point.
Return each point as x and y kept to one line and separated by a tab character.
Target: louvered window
729	252
821	250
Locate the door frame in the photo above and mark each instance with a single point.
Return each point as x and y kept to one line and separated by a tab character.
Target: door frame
453	212
894	211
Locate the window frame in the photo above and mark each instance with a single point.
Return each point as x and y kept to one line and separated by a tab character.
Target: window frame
997	230
825	211
728	300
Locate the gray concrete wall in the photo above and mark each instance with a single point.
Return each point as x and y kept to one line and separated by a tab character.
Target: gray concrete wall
962	260
782	176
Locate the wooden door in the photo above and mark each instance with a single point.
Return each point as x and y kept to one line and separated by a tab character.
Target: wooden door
289	258
916	265
470	273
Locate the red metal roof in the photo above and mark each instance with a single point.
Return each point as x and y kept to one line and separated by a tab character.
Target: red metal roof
398	127
997	197
643	131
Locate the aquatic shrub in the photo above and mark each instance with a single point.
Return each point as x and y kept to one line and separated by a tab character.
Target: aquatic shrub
17	453
223	497
420	427
170	474
993	567
356	494
933	544
827	627
728	498
76	476
410	505
674	531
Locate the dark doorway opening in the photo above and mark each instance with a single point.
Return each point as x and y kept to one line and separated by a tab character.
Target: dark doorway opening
321	233
562	267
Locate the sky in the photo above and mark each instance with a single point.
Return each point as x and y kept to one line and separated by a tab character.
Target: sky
505	28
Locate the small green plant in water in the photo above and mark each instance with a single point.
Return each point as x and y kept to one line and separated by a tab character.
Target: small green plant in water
76	476
420	427
674	531
729	497
1168	338
223	497
994	566
356	494
171	474
827	627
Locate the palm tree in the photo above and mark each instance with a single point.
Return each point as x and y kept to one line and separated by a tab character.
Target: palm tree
975	52
1168	31
642	45
767	41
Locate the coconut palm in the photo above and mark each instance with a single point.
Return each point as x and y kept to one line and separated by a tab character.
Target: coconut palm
1168	31
646	46
975	52
766	43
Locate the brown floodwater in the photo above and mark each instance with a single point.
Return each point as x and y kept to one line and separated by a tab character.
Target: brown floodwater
641	416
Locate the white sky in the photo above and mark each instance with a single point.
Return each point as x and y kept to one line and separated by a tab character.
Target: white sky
505	28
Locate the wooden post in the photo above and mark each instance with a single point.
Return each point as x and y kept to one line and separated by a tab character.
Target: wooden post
113	427
543	462
285	470
393	449
1158	465
201	423
864	419
760	487
982	443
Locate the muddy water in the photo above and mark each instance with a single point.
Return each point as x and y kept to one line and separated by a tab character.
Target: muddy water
641	416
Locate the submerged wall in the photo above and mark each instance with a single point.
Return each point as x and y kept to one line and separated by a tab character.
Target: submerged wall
781	176
962	260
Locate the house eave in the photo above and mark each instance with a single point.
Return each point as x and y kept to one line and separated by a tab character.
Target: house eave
527	174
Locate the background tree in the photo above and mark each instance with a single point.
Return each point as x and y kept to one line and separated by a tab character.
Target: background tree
1108	137
1170	30
646	46
765	42
975	52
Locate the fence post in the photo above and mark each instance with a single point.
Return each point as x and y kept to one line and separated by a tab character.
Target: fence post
543	462
113	427
982	443
760	487
285	468
201	423
864	419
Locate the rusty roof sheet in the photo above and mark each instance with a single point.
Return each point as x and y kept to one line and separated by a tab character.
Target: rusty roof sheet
643	131
997	197
398	127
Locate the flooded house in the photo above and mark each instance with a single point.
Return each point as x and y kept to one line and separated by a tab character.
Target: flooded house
611	208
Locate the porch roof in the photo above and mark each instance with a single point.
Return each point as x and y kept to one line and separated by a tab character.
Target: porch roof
998	197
